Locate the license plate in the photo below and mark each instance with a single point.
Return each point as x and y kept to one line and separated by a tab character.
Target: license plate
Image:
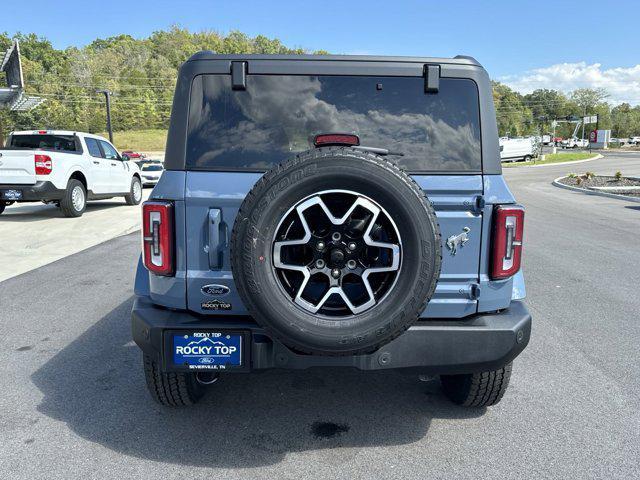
207	350
12	194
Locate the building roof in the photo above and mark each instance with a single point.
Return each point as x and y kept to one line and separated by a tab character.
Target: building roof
12	95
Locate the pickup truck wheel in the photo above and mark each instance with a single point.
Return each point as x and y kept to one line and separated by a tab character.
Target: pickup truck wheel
135	194
336	252
74	202
172	389
477	389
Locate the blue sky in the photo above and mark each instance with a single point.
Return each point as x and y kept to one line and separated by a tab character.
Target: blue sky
512	39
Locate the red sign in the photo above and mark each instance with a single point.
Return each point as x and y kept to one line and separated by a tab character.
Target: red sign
593	136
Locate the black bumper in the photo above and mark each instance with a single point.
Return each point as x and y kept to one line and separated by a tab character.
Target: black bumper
474	344
39	191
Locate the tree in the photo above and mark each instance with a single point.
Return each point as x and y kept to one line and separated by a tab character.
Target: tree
513	117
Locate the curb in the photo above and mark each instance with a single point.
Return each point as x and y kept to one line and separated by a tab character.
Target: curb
598	156
557	183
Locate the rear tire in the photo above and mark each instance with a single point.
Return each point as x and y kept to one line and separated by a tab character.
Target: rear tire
477	389
74	202
527	158
172	389
134	197
2	207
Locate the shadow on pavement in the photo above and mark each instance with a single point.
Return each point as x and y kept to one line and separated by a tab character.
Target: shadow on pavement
95	385
32	212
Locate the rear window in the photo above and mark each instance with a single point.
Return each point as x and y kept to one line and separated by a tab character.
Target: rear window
279	115
64	143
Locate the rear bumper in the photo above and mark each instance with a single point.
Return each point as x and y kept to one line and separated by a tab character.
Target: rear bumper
37	192
474	344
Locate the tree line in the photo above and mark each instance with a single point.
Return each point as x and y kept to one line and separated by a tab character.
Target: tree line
142	73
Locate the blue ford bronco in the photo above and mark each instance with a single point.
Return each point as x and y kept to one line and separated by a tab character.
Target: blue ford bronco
331	211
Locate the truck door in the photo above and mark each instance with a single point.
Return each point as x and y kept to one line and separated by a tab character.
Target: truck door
99	180
118	171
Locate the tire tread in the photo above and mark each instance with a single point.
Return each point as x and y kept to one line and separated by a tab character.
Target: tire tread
481	389
170	389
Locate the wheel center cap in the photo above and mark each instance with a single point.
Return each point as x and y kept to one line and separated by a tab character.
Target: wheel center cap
336	258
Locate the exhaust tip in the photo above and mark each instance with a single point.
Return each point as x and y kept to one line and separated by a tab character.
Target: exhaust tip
207	378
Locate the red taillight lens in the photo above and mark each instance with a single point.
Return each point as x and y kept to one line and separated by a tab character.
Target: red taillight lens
158	237
327	139
506	255
44	165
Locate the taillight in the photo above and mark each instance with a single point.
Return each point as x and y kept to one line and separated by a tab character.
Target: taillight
506	254
327	139
158	237
44	165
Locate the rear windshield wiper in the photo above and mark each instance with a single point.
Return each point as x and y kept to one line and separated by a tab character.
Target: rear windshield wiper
379	151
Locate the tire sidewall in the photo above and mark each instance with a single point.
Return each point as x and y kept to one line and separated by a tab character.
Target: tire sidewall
70	207
419	271
135	201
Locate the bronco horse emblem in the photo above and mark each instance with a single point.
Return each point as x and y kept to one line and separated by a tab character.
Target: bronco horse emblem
455	241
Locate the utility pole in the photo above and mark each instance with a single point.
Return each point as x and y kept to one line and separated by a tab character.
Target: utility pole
107	97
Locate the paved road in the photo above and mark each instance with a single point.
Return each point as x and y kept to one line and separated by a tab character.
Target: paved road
35	234
74	404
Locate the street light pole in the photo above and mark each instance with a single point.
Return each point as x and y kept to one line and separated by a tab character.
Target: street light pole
107	96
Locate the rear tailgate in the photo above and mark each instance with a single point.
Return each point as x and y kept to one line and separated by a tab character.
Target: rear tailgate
212	200
17	167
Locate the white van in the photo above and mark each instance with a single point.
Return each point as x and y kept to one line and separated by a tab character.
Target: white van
515	149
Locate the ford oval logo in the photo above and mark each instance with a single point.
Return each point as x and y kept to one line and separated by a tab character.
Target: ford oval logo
215	289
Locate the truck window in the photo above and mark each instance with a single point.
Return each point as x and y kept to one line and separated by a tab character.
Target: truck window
62	143
93	147
109	151
278	115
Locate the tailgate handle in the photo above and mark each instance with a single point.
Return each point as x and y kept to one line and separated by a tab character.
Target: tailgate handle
217	238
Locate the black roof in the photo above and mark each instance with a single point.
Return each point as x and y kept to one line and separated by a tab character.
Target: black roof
457	60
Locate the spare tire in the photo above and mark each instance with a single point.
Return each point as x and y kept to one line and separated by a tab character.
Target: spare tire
336	252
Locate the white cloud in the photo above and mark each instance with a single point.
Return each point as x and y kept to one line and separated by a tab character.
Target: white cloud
622	84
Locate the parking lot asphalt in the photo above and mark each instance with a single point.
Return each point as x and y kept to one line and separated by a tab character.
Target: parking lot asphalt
74	404
35	234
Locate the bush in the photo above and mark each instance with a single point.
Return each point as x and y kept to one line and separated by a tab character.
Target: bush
572	175
589	175
618	175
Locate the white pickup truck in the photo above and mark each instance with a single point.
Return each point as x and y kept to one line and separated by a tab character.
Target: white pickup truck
575	142
66	168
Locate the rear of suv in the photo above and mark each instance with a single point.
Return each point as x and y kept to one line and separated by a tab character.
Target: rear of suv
331	211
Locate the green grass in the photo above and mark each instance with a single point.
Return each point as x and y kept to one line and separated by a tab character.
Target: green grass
553	158
139	140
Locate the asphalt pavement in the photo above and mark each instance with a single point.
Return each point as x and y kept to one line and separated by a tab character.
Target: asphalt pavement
35	234
74	403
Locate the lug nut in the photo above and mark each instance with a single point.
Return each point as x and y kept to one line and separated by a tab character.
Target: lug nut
335	273
319	263
336	236
351	264
352	246
320	245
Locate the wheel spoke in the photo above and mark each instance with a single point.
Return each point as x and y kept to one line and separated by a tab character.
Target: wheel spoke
335	274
